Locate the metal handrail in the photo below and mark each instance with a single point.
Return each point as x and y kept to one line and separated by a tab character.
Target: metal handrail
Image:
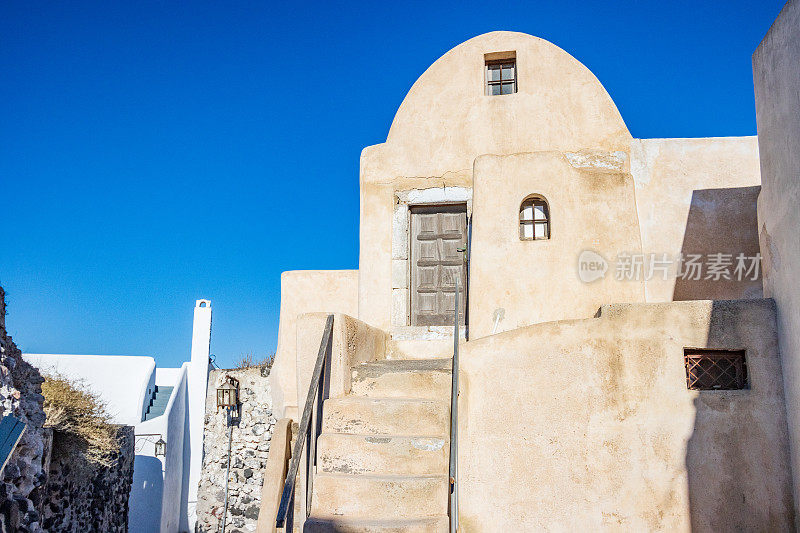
454	426
317	391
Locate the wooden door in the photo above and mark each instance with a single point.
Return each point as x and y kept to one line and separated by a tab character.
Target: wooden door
437	232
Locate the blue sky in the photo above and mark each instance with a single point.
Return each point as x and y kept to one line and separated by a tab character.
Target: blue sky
153	153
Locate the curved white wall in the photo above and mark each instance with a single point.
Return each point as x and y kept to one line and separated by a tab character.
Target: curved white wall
124	383
156	493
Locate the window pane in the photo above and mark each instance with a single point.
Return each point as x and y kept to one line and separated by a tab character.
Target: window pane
539	211
494	89
508	88
541	230
508	72
527	231
493	72
527	213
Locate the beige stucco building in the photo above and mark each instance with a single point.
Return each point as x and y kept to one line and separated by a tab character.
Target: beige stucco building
509	169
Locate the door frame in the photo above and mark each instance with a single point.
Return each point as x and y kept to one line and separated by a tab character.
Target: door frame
400	297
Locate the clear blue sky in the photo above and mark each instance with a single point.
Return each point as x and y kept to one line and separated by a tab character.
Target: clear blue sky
153	153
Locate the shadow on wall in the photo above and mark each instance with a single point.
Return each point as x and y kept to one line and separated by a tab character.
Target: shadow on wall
148	486
733	484
720	221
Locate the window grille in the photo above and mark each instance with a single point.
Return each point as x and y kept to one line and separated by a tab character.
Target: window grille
715	369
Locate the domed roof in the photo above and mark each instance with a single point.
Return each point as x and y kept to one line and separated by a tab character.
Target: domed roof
446	119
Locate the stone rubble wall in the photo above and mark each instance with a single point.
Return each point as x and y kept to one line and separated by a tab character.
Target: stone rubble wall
47	484
249	449
84	496
23	479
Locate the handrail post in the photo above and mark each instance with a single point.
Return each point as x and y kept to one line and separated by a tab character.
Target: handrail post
453	474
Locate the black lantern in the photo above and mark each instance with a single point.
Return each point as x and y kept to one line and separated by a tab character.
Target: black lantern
228	394
161	447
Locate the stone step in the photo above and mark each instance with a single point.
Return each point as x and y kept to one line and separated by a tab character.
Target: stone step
379	497
386	416
420	378
341	453
439	524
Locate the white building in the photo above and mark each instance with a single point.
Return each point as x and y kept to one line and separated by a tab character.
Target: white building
162	404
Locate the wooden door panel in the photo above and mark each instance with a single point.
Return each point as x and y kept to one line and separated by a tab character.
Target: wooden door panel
437	232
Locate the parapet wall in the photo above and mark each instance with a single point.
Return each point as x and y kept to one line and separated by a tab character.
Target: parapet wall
249	449
591	426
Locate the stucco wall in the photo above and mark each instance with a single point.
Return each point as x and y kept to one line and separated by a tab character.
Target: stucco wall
157	493
607	436
591	208
306	291
697	196
446	121
124	383
693	195
776	73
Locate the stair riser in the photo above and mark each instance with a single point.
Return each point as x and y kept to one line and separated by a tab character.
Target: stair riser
389	417
358	454
426	385
379	498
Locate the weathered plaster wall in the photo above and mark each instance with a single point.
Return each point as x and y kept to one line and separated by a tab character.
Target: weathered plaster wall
446	121
697	196
84	496
591	208
776	73
609	438
249	450
306	291
24	476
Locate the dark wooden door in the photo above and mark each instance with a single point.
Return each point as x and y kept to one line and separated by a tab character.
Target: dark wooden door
437	232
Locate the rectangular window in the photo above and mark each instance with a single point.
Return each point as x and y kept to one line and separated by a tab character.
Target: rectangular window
501	76
715	369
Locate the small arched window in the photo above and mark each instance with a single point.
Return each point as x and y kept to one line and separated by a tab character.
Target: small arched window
534	219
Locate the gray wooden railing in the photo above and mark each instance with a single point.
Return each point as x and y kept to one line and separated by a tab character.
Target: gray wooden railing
307	435
454	426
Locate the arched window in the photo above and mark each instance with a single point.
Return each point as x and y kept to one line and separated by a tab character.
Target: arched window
534	218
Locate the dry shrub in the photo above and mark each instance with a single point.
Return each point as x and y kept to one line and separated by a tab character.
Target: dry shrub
72	409
249	360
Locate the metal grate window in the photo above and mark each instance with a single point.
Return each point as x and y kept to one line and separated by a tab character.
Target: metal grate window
501	77
715	369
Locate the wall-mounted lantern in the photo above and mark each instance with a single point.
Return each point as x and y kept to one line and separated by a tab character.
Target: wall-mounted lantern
161	447
228	396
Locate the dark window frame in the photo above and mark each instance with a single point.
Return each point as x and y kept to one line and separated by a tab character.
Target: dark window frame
498	64
534	200
715	370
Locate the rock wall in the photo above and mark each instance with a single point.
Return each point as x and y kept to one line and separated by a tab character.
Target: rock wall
23	479
249	448
84	496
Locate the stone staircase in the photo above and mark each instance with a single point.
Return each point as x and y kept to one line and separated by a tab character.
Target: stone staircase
382	457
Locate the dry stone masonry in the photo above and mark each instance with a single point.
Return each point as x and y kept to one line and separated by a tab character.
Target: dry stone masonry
249	448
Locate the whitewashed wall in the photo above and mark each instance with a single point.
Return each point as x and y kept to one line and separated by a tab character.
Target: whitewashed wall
124	383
